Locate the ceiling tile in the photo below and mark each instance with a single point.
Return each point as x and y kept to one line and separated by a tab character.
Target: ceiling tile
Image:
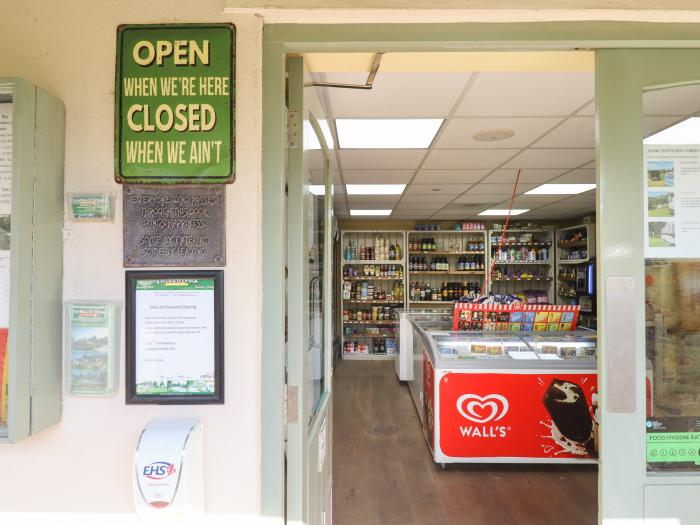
436	189
527	94
480	199
579	176
532	176
578	132
581	199
380	159
459	132
505	190
396	94
551	158
410	215
428	198
449	176
655	124
588	109
531	201
452	215
680	100
372	200
447	159
377	176
418	206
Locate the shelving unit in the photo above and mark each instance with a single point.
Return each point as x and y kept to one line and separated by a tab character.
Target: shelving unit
372	287
575	248
451	249
525	264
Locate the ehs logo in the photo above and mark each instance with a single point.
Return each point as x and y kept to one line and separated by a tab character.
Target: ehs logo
481	410
159	470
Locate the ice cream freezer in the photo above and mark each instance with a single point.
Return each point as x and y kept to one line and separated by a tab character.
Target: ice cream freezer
506	397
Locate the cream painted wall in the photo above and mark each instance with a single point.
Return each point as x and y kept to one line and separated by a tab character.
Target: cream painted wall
83	463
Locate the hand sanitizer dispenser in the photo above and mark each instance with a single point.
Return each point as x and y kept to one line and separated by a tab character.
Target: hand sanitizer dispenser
168	469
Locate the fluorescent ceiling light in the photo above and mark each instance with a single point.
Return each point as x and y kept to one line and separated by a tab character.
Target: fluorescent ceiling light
317	189
560	189
359	213
374	189
400	133
685	132
501	213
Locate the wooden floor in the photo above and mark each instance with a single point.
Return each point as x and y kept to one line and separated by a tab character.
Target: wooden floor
383	472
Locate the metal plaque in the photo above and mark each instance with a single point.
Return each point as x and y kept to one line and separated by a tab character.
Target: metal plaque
179	225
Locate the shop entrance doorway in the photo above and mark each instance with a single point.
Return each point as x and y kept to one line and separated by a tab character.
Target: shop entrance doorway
623	479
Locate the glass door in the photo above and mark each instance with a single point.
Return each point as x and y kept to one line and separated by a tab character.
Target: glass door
649	255
309	303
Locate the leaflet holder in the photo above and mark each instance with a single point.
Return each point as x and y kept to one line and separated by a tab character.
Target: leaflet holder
168	469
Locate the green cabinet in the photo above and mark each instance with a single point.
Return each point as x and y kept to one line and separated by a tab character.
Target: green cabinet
31	258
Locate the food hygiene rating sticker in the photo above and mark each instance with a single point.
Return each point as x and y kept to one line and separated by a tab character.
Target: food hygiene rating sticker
669	447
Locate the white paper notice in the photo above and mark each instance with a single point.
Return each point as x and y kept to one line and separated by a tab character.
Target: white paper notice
5	158
672	201
175	337
549	357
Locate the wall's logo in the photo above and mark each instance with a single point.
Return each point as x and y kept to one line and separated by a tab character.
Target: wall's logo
482	409
159	470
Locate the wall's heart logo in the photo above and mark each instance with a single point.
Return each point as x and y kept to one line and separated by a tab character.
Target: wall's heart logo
482	409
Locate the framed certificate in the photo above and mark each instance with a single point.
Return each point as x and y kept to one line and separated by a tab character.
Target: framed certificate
174	337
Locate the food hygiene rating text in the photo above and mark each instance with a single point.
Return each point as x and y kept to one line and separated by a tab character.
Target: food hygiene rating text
181	118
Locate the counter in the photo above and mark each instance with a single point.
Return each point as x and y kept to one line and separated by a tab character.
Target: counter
506	397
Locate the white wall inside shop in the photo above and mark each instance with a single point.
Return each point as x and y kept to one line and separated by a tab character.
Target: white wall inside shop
83	464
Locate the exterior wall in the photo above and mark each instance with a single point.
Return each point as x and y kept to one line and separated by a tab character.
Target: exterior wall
83	464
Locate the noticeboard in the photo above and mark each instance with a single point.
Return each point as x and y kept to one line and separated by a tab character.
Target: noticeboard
174	337
174	103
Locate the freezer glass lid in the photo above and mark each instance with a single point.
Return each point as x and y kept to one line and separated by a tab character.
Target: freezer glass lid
494	345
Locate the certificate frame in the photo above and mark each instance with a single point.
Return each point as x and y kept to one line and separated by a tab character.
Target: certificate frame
214	395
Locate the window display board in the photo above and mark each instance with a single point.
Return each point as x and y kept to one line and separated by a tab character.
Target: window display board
672	195
174	337
5	216
515	318
92	348
31	248
509	398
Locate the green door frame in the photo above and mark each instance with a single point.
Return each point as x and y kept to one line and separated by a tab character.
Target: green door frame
282	39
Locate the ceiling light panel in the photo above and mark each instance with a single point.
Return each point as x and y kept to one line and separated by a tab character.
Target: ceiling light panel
503	213
561	189
370	213
685	132
375	189
387	133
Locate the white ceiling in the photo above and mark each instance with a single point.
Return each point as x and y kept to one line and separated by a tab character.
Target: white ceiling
551	114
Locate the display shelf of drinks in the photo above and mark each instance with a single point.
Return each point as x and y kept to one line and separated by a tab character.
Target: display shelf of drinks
448	292
373	247
576	244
